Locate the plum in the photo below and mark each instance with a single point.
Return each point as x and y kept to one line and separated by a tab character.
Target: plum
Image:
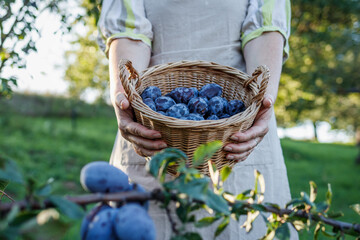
132	222
139	188
176	94
235	106
151	92
164	103
210	90
225	115
193	116
213	117
189	93
90	216
178	110
198	105
162	112
100	225
216	106
150	102
103	177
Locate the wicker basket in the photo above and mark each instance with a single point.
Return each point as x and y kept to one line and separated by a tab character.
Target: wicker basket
188	135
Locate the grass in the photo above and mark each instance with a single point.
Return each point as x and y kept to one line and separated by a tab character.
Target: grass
50	147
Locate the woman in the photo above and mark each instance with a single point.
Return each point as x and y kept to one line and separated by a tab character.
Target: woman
240	34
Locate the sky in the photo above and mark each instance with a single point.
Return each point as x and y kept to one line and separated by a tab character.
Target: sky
46	69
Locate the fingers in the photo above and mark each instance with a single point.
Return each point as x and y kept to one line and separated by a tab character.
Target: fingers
268	101
129	127
259	129
121	101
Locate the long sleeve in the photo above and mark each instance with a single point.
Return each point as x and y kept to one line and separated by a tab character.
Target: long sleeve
123	19
267	16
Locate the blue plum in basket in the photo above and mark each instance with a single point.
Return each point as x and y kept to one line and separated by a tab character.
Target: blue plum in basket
100	225
198	105
151	92
225	116
216	106
177	94
150	102
193	117
178	110
210	90
189	93
162	112
213	117
103	177
132	222
235	106
164	103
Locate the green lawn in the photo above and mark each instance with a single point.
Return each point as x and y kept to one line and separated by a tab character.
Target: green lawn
49	147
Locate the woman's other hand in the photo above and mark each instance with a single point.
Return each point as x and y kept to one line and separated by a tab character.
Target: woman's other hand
266	49
245	142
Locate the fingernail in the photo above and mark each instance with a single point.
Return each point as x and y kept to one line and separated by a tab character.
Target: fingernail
271	103
231	157
163	145
234	138
227	148
157	135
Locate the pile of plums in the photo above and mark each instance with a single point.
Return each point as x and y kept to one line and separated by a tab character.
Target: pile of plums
191	103
127	222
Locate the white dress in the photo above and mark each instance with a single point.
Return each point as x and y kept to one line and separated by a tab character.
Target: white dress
209	30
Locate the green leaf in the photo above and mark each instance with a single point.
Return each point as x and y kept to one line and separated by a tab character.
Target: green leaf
158	163
3	184
188	236
335	214
216	202
195	188
356	208
313	191
206	221
9	171
306	199
67	207
243	195
295	202
205	151
258	207
224	223
225	172
322	207
283	232
329	195
46	189
316	231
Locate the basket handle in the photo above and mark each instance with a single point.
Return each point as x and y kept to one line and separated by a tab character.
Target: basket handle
129	78
264	70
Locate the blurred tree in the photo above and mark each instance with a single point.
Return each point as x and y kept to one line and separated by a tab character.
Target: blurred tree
87	67
323	67
18	34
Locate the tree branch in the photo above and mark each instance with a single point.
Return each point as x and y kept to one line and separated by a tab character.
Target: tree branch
133	196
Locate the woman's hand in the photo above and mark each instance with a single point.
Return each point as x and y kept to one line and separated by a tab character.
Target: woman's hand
248	140
146	142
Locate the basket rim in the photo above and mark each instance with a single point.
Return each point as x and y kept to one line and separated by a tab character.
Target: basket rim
235	120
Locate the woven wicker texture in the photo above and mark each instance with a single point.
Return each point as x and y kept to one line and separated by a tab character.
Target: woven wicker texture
188	135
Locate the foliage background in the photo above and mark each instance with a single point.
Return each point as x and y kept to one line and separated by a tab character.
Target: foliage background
54	137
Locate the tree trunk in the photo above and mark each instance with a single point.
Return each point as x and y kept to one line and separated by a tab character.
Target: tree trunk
357	140
315	131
